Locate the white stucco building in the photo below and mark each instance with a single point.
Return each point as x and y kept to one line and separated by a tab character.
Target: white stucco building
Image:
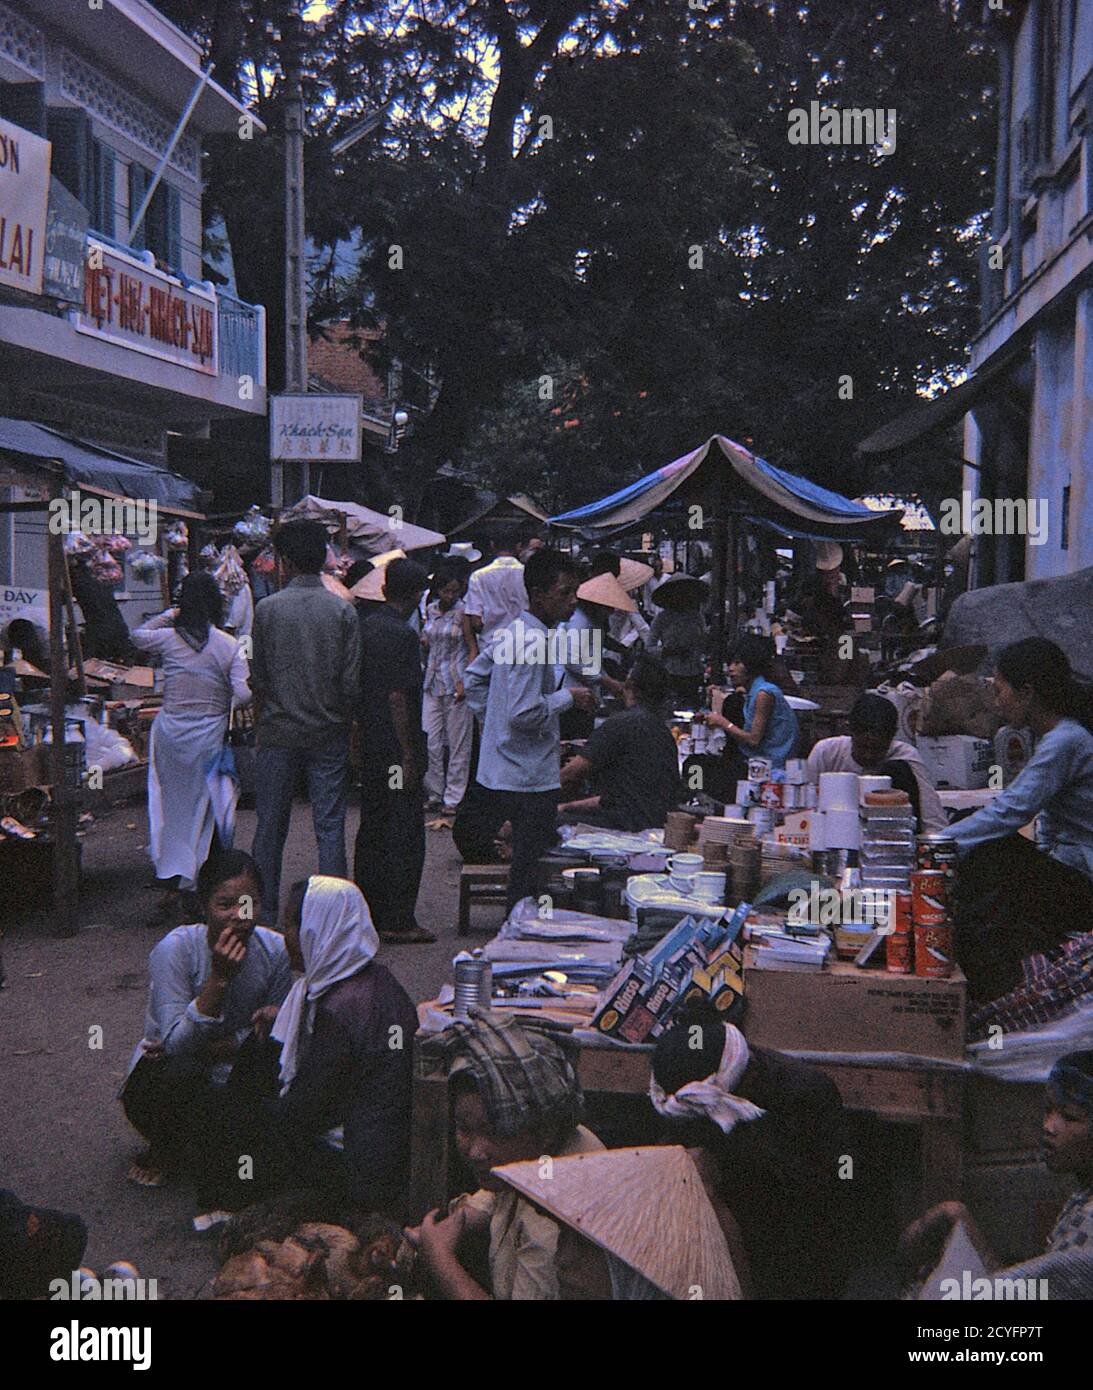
1030	428
111	335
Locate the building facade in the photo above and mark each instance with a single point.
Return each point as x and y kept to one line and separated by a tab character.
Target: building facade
1029	433
109	331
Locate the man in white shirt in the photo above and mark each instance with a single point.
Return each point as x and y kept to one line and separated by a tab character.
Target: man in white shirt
495	596
872	748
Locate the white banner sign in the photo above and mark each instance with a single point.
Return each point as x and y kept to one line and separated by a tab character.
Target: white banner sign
24	197
136	306
315	428
32	604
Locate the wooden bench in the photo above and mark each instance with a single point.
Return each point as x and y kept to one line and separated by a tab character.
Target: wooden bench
480	883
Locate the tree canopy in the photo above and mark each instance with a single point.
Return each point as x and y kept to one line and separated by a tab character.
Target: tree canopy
587	216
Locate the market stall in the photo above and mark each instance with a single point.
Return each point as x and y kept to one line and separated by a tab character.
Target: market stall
76	713
731	485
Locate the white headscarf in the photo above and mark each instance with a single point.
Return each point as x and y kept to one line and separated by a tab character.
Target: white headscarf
713	1098
337	939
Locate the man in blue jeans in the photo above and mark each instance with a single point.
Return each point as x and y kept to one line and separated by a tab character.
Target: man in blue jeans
305	673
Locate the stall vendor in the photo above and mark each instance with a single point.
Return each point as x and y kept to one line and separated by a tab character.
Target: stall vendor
631	758
770	726
1066	1266
678	635
769	1130
1014	897
872	747
586	637
515	1097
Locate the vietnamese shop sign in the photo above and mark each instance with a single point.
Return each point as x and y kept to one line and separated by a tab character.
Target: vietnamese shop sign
66	239
24	190
315	427
134	305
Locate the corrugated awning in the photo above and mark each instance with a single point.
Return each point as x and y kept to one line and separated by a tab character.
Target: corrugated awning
747	486
89	465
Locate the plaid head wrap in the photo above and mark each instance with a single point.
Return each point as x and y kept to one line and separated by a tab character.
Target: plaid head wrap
1072	1078
521	1070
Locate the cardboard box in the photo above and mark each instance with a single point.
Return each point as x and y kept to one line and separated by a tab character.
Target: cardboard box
844	1009
959	761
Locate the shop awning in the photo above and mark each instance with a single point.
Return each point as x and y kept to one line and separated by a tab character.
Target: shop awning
926	417
102	470
373	532
722	473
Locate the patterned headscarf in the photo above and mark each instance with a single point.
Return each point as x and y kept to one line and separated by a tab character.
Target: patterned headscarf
712	1099
522	1075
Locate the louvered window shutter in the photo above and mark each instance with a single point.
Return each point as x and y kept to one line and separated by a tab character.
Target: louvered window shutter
24	104
70	131
139	179
173	255
102	179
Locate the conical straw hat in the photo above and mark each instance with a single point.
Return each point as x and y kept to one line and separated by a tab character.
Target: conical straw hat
335	586
632	573
606	589
645	1206
370	586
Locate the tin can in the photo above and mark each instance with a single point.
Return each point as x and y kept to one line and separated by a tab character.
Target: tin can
934	951
473	985
902	921
899	954
759	769
936	852
770	795
929	898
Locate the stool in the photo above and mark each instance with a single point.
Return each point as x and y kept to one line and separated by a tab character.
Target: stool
480	883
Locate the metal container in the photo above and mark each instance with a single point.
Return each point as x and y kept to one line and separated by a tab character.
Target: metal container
936	852
473	985
929	898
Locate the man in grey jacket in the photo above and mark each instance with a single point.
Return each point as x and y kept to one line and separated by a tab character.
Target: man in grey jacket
305	673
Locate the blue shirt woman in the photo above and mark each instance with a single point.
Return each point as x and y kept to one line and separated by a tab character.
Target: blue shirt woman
780	735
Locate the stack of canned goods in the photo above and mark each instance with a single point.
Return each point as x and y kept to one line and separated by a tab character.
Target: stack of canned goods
932	886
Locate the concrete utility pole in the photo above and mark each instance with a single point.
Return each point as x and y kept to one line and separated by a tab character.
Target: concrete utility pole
295	267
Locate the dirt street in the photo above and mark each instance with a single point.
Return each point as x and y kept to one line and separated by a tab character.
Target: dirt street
63	1138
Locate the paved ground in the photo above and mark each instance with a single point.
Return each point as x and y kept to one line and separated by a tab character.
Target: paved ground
63	1138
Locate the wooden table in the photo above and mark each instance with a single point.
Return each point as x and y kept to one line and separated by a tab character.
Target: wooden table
930	1097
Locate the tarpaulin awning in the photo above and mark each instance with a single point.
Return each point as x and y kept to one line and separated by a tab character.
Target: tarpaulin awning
372	532
730	479
90	466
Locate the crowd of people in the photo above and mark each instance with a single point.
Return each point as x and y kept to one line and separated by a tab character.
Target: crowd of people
275	1033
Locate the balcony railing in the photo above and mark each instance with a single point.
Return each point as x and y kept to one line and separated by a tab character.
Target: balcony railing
242	329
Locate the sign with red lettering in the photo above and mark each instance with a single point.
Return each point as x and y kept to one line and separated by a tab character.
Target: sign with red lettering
135	305
24	195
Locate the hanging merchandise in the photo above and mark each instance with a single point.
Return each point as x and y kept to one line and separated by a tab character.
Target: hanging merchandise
147	567
252	529
264	562
76	543
177	536
116	545
230	574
